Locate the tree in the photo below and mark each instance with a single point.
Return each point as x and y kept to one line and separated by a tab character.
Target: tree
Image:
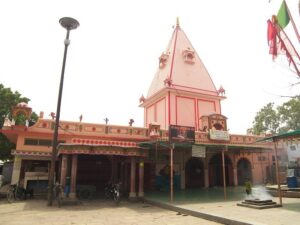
9	99
277	120
266	120
289	114
5	148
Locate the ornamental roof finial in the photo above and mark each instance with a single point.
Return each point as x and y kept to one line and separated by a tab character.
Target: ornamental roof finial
177	21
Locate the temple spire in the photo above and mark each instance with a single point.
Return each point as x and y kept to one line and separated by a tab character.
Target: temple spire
179	67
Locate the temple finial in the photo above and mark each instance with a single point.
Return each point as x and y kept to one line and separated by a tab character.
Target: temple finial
177	21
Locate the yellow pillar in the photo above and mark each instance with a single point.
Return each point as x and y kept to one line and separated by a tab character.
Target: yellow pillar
141	180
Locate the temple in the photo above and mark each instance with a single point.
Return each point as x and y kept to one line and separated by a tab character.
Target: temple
182	95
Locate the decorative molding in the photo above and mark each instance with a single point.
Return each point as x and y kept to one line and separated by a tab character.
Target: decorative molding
189	56
163	60
99	142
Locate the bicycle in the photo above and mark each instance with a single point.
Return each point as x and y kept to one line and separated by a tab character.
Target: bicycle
58	193
15	192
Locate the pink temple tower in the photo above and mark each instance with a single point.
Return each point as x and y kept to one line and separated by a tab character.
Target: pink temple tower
182	90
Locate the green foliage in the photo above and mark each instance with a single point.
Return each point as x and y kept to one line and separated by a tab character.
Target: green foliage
289	114
9	99
276	120
33	118
20	119
5	148
266	120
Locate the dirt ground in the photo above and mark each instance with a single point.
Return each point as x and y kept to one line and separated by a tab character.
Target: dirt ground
36	211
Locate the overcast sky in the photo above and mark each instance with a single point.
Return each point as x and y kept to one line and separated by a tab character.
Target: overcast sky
114	53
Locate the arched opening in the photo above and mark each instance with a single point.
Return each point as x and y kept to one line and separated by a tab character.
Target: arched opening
216	171
244	171
218	126
194	173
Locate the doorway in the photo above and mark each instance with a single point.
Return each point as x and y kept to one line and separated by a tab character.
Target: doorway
194	173
244	171
216	171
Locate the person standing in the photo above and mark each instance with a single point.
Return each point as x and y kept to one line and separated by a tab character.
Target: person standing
248	187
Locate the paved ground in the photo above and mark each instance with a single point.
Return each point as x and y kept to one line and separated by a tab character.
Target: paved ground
289	214
212	202
203	202
91	212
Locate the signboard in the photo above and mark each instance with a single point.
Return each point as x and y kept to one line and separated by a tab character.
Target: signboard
219	135
198	151
181	134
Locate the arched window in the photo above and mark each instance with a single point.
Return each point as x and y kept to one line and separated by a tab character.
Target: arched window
189	56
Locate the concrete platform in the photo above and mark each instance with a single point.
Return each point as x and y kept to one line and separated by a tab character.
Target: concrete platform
258	204
285	191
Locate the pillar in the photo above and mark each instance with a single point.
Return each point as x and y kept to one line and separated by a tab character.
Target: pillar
206	178
141	180
224	173
16	170
182	174
235	178
63	173
132	193
206	174
73	176
126	176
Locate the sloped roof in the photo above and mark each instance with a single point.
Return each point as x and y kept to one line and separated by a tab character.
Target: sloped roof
181	66
286	135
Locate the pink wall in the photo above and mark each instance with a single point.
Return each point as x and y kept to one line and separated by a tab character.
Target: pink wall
184	110
157	113
206	107
161	113
150	114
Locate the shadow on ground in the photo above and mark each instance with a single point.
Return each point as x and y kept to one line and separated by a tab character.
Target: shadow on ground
210	195
292	206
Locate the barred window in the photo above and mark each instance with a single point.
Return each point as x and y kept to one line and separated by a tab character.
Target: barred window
40	142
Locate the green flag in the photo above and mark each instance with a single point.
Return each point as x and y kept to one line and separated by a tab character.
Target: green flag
283	17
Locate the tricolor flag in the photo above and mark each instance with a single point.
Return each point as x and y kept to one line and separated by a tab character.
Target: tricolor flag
280	44
283	17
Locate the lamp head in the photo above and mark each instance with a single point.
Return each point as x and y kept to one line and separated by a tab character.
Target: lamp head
69	23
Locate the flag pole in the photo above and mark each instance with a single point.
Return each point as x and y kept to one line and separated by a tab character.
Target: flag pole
281	30
224	173
277	173
171	171
288	54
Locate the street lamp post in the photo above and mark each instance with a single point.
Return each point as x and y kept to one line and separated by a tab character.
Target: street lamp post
69	24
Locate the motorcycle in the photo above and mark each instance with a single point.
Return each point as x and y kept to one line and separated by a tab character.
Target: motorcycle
113	191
